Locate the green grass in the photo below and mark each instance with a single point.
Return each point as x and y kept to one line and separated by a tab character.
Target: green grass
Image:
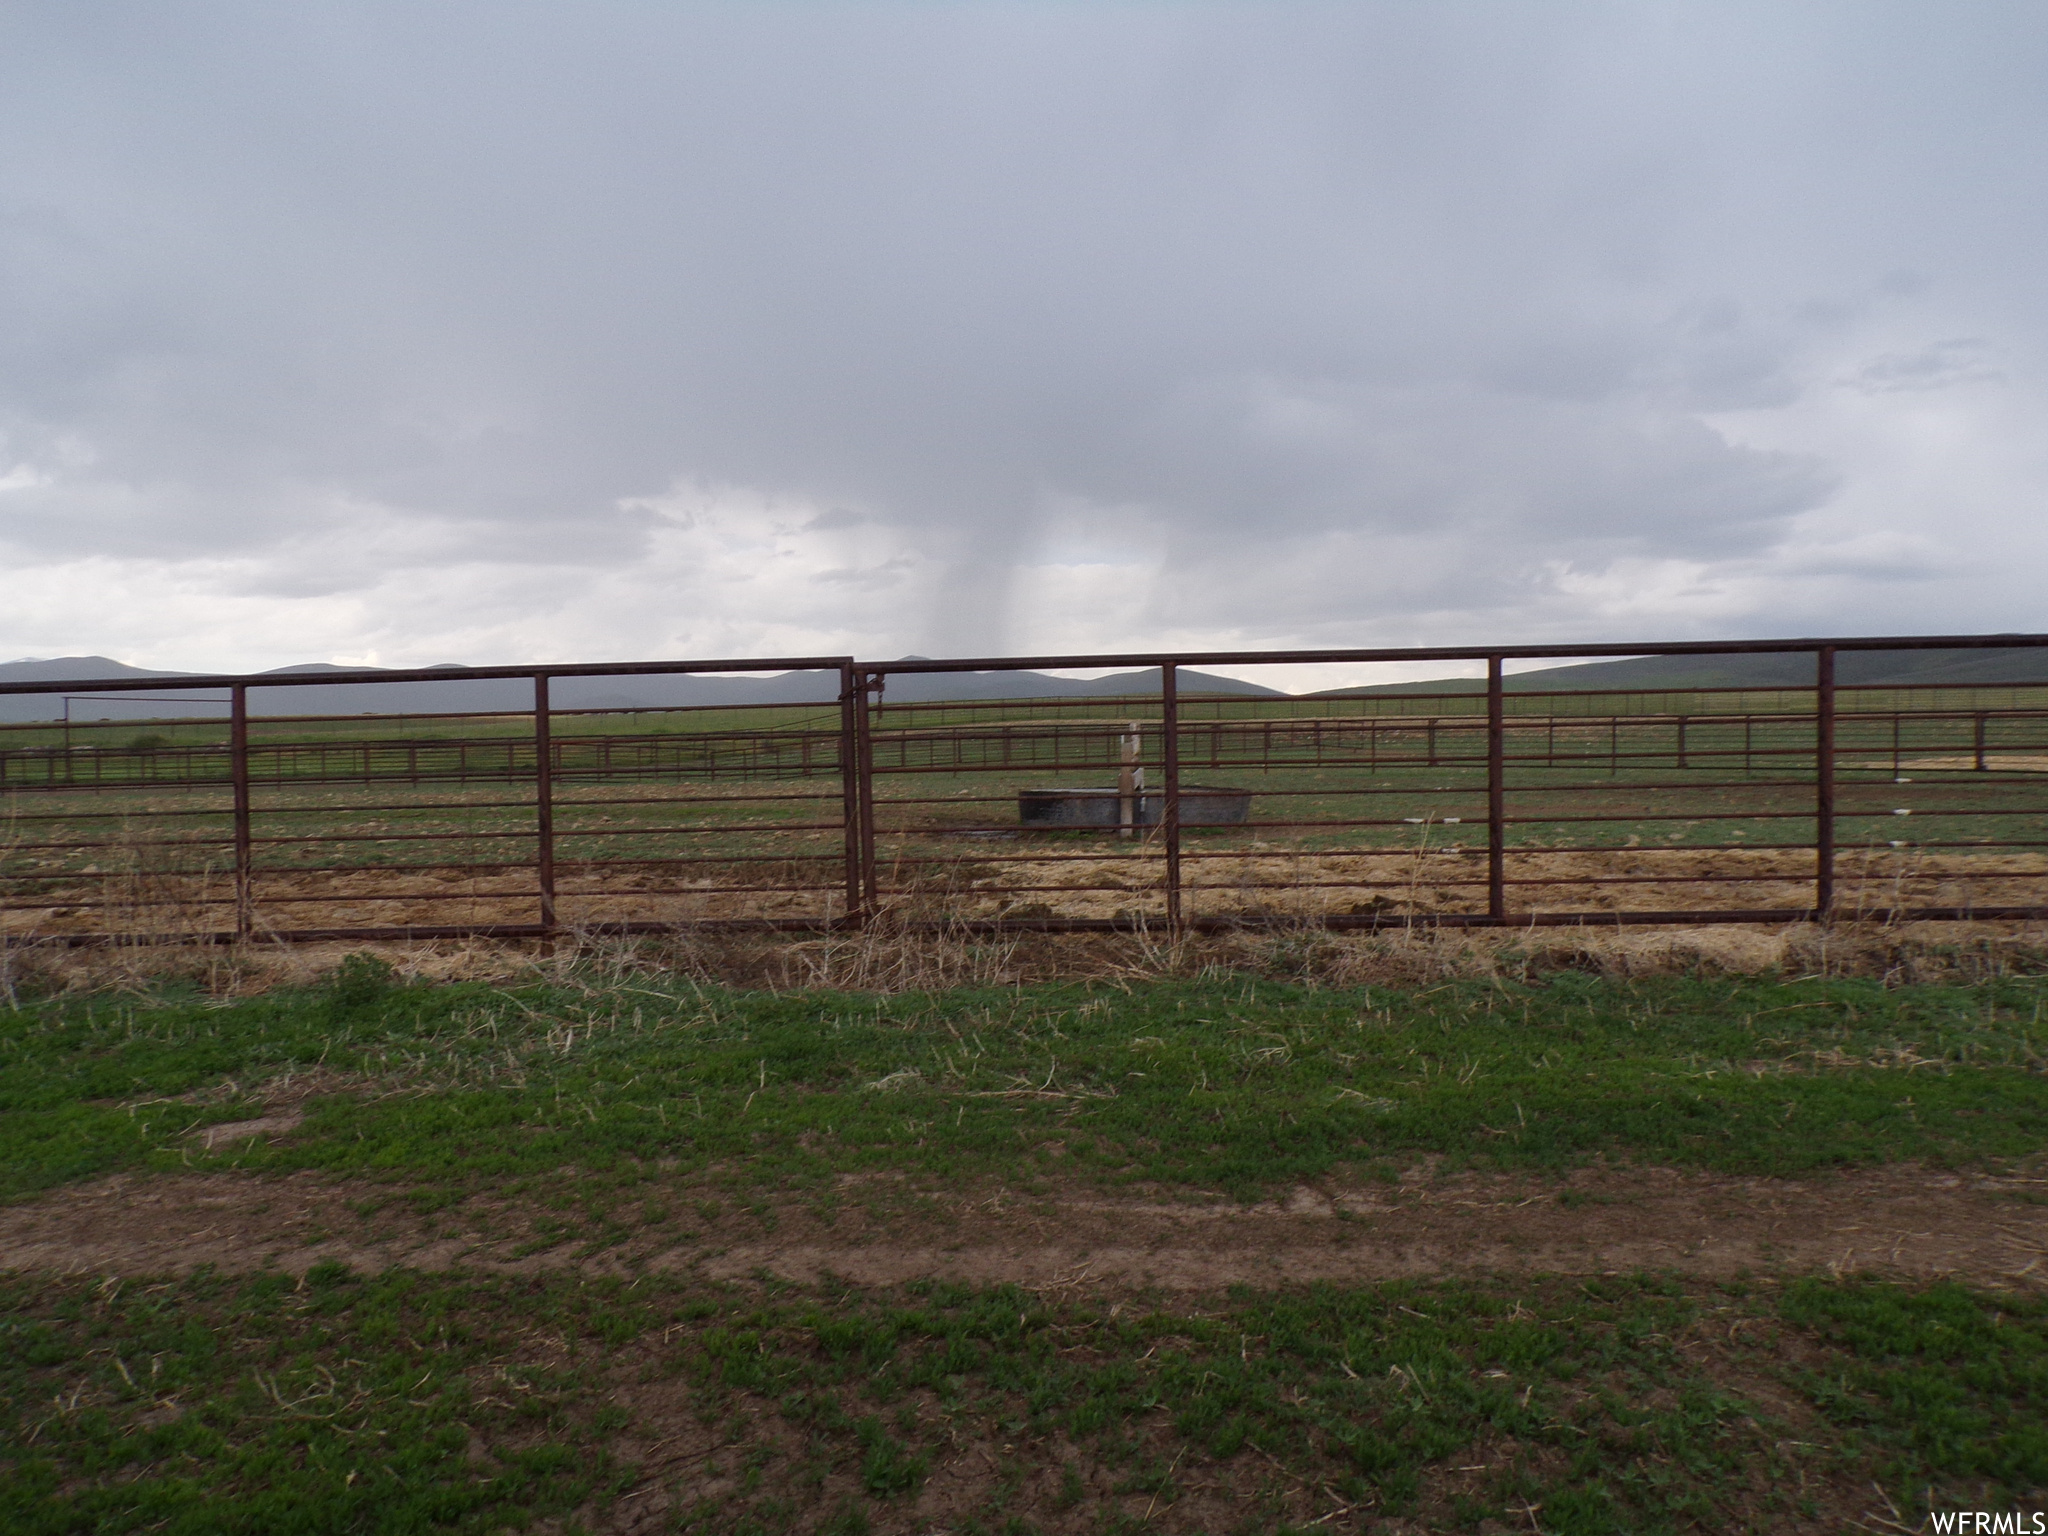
1938	1383
269	1406
1459	700
1231	1084
406	1401
414	1402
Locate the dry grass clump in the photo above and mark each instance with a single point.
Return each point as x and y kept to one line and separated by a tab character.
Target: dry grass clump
1921	952
239	970
892	958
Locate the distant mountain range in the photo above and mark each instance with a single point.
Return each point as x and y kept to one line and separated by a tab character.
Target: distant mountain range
290	696
1898	669
298	690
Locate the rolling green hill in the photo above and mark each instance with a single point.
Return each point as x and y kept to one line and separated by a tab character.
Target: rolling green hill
1915	669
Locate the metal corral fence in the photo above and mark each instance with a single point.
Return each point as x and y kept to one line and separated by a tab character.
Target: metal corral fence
1474	806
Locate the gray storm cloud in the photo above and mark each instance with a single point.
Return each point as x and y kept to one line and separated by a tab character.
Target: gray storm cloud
628	328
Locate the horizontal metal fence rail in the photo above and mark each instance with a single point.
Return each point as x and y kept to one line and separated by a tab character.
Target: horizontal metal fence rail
1475	807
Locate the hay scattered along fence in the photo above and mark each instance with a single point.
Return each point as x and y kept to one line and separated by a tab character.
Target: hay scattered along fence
1475	806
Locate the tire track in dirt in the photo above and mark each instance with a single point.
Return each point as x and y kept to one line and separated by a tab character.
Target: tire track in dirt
1903	1222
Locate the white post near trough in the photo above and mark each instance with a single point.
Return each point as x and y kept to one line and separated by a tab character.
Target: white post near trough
1130	781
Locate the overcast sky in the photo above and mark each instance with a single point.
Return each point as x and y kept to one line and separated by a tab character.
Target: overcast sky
495	332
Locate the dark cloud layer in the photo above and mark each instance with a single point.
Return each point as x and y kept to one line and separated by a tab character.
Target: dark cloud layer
962	327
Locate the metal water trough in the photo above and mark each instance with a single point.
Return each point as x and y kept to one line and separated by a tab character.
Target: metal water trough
1200	806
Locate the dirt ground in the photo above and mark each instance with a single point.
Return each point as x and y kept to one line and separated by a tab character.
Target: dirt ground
1074	1240
1012	879
1904	1222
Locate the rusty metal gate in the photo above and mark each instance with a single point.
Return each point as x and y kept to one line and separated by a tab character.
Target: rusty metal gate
1479	805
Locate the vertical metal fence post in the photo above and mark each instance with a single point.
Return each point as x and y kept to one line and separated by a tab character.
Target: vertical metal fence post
544	801
1979	740
852	705
1824	783
1496	795
864	787
1169	807
238	770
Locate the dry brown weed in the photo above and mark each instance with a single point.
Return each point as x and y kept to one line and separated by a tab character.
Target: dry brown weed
891	957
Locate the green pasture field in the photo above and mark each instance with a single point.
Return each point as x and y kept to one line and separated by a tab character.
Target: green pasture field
380	823
1790	705
1418	806
621	1103
261	1406
147	735
1239	1085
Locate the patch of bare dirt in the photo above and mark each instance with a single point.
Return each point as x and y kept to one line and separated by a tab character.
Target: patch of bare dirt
242	1130
1451	879
1089	883
1992	762
1905	1222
